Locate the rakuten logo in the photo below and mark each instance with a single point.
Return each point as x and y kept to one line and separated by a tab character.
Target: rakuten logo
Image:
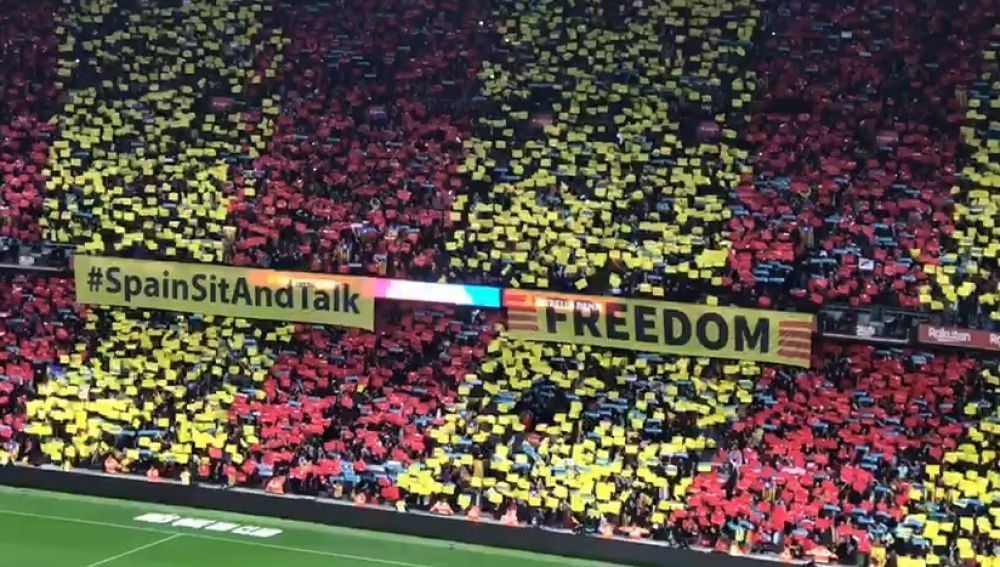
967	338
952	336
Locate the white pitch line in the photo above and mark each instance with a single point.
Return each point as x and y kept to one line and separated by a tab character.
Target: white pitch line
136	550
208	537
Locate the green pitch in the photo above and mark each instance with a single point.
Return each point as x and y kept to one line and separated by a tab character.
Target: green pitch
44	529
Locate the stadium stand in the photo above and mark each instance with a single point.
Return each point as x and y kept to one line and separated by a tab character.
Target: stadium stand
28	49
361	172
974	252
154	387
872	449
571	433
343	412
39	326
766	154
608	148
852	453
239	402
152	121
857	139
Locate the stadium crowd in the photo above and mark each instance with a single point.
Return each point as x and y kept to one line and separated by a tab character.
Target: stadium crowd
28	53
361	171
610	137
873	451
779	154
857	139
975	253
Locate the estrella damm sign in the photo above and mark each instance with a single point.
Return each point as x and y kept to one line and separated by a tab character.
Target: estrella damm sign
659	326
222	290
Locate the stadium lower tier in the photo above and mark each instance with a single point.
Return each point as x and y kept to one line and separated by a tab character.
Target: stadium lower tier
881	452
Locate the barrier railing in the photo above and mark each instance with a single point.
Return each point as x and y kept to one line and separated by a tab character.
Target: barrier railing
376	518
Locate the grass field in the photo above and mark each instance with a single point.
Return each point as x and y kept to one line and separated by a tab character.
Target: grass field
43	529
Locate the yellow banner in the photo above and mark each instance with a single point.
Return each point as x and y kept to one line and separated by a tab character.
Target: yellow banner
658	326
219	290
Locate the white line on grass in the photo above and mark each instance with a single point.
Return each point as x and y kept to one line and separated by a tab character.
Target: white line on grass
201	536
136	550
380	537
